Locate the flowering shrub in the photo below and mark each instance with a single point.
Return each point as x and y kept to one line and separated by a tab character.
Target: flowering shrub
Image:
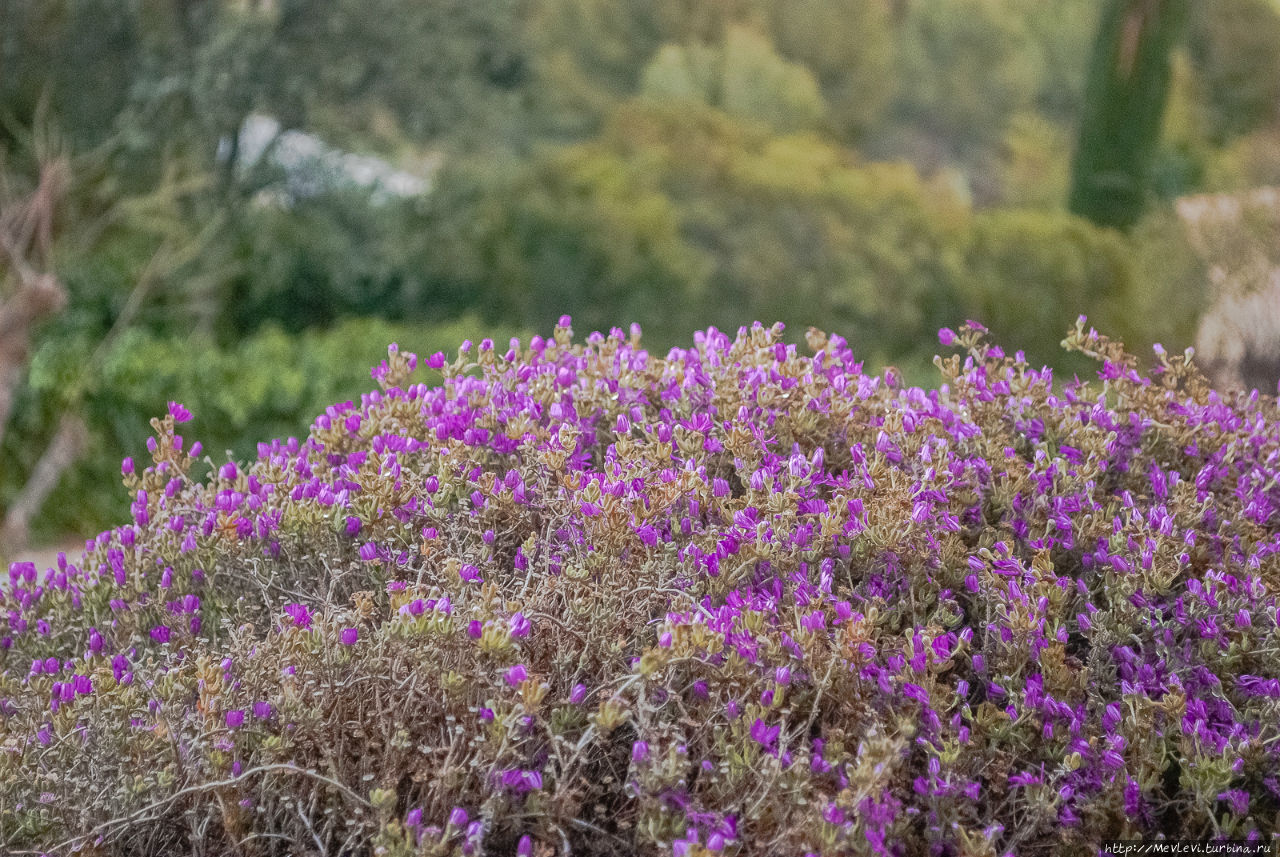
740	600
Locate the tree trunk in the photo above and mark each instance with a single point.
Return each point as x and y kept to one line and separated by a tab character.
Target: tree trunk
1124	103
37	297
67	445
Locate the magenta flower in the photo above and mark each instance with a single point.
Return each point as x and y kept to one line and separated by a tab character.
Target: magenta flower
578	694
519	625
639	751
521	781
1237	800
300	614
179	413
160	633
516	674
469	573
764	734
262	710
235	719
349	636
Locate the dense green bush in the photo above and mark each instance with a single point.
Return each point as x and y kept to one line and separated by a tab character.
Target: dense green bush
580	599
329	257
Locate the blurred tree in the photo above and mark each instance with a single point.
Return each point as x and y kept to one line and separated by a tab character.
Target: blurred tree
1125	99
1063	32
680	215
848	46
331	256
577	230
744	77
1035	163
1235	50
589	54
1030	273
965	68
30	291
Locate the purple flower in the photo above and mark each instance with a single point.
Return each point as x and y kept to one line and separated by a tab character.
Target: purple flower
474	629
525	847
916	692
764	734
458	817
352	525
235	718
516	674
179	413
126	467
1237	800
947	336
1111	717
519	625
578	694
469	573
681	847
413	818
300	614
349	636
369	551
1253	685
639	751
160	633
262	710
521	781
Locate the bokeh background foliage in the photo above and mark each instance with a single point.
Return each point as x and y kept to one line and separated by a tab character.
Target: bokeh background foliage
878	168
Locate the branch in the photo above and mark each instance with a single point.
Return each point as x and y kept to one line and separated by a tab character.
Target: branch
146	813
67	445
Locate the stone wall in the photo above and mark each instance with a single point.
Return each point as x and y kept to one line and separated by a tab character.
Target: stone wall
1237	236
